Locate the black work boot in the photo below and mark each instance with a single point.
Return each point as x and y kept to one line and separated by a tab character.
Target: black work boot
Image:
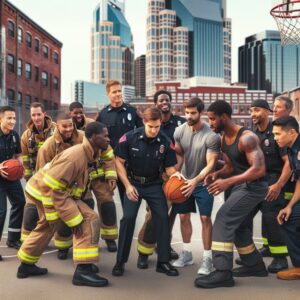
85	276
94	268
238	261
264	251
142	262
215	279
278	264
26	270
118	269
14	244
258	270
111	245
62	254
166	268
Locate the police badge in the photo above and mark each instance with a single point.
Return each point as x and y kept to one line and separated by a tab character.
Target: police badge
267	142
161	149
129	117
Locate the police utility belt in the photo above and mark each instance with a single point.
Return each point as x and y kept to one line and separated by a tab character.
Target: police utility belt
143	180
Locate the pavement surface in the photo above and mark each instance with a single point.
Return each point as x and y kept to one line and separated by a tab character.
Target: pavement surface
136	284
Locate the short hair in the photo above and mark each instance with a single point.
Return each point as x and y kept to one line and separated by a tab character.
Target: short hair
161	92
287	123
220	107
36	105
3	109
194	102
94	128
63	116
74	105
110	83
152	114
289	105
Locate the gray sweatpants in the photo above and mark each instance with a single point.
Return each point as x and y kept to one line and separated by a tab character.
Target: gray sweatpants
233	225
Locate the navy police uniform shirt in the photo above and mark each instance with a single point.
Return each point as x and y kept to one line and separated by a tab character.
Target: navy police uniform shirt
294	158
169	127
119	120
146	157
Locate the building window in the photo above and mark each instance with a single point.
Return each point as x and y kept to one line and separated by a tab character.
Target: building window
44	78
36	73
46	104
28	100
11	29
28	40
10	94
45	51
36	45
10	63
19	98
55	83
28	71
55	57
19	67
20	35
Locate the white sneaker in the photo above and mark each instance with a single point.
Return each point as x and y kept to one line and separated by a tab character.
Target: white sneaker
185	259
206	266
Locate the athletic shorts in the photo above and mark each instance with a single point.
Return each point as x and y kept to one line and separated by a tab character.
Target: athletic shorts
203	199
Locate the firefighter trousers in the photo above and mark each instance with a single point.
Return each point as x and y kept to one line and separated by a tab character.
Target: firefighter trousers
85	244
233	225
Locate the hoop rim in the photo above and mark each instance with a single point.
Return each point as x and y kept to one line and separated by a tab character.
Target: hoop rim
285	14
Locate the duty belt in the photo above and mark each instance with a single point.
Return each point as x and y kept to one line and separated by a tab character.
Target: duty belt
144	180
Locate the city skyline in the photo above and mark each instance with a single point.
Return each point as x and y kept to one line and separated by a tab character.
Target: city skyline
73	29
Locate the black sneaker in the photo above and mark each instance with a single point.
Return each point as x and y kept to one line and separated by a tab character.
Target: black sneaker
278	264
258	270
26	270
215	279
111	245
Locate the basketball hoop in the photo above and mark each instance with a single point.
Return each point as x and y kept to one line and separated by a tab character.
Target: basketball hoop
287	17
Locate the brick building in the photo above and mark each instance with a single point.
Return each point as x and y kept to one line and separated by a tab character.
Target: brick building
31	68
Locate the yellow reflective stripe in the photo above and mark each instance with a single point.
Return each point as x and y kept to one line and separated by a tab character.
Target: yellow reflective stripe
33	192
82	254
109	231
75	221
278	249
109	154
145	250
265	241
23	256
40	144
96	174
24	237
53	183
246	250
52	216
220	246
27	172
25	158
47	201
63	244
110	173
288	196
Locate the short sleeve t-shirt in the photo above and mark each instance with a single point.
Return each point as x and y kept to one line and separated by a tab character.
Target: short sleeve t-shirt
195	146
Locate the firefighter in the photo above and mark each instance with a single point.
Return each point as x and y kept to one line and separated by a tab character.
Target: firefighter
244	170
103	184
119	118
146	240
57	190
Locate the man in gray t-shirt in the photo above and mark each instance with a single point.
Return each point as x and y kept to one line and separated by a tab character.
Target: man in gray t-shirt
197	148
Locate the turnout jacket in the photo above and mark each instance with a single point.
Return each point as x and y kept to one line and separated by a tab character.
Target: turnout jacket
31	142
86	121
59	184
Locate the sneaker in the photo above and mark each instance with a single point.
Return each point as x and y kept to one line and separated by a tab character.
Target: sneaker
206	266
185	259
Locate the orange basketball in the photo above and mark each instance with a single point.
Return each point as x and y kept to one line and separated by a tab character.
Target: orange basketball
172	190
14	169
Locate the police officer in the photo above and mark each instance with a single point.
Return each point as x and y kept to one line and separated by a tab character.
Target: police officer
119	118
146	152
286	133
10	147
278	173
146	240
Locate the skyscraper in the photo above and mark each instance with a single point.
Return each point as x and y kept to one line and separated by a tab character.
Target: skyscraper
265	65
112	46
187	38
140	76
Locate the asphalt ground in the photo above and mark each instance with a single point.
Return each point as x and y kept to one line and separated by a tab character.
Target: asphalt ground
136	284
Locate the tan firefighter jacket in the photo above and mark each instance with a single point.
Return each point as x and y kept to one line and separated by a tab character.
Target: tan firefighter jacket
31	142
86	121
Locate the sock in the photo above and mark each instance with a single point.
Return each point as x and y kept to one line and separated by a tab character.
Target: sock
187	247
207	253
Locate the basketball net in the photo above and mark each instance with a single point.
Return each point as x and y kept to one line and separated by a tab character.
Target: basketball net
287	17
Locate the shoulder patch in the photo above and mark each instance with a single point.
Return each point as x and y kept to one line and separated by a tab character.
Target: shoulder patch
172	146
122	138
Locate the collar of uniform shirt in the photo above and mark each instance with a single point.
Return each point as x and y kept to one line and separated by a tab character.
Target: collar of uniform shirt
296	145
143	136
2	134
122	107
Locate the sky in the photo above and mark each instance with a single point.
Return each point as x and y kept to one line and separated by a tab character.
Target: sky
70	22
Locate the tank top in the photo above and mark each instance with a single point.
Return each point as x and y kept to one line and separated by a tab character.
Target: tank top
237	158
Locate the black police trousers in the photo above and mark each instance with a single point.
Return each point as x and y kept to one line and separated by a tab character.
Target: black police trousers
14	191
291	230
155	198
122	191
233	225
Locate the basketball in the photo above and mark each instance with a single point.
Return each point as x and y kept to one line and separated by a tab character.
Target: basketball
14	169
172	190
